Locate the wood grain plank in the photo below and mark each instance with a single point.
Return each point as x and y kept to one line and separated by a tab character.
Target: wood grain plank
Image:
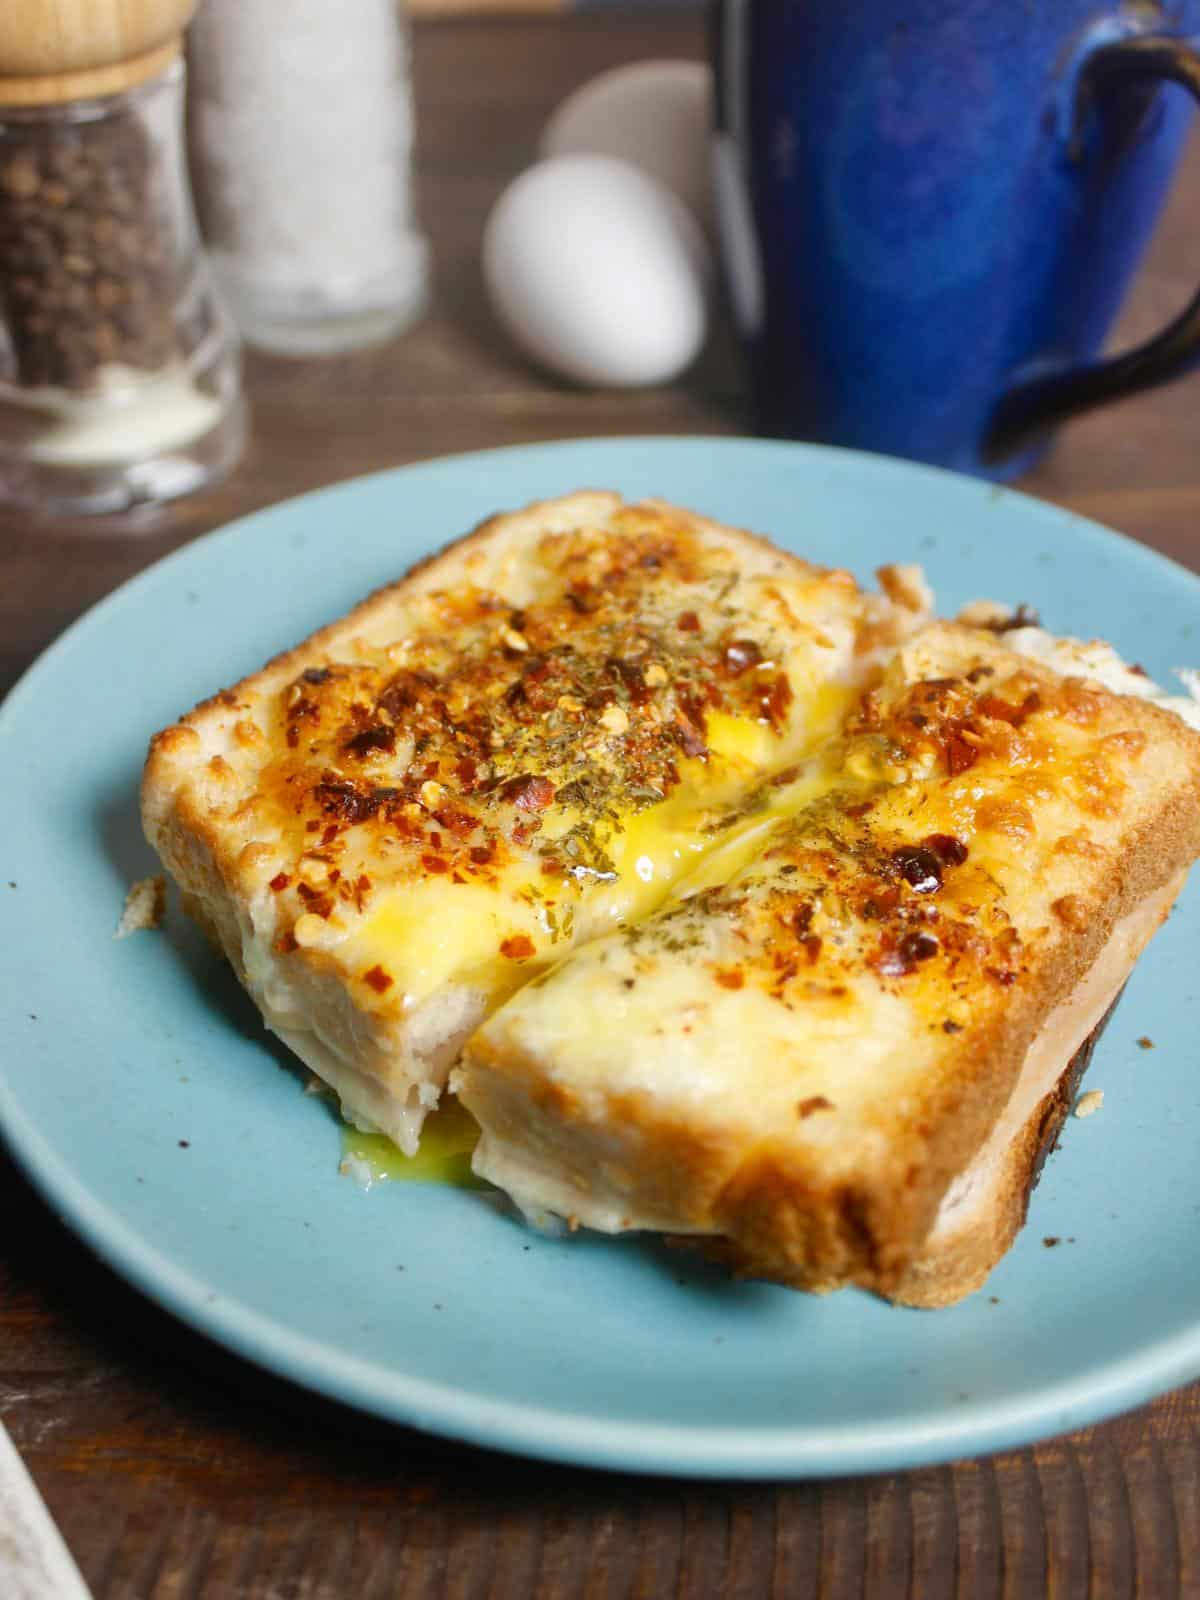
889	1537
1067	1512
799	1543
1112	1564
832	1516
1153	1521
979	1556
1024	1500
1183	1472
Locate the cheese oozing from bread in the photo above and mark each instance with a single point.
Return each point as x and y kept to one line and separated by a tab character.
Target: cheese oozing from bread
521	746
801	1064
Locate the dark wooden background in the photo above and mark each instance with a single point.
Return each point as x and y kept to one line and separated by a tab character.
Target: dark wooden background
178	1473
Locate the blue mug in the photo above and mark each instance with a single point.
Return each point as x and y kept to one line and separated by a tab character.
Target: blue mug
930	211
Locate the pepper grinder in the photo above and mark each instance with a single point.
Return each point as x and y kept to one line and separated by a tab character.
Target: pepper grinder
119	369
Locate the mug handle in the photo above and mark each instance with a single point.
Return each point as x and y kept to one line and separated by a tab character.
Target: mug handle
1032	407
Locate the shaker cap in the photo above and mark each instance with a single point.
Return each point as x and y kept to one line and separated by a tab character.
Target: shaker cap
57	50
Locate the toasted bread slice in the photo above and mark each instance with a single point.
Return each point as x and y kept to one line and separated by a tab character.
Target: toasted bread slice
521	744
802	1062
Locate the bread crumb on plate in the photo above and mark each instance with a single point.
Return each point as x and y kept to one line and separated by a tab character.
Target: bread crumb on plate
145	907
1089	1103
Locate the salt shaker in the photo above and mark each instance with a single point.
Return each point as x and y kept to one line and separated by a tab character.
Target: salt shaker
119	370
302	148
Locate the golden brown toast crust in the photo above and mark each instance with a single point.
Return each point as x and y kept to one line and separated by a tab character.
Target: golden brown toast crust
945	1276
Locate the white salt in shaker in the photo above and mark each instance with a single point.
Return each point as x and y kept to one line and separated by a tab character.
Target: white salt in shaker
302	149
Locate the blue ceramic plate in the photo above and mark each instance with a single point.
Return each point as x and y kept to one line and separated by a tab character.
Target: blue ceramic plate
139	1092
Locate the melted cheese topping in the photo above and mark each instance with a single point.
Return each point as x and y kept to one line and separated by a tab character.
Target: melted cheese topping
468	801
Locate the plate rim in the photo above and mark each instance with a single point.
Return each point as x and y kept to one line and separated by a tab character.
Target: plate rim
552	1433
872	461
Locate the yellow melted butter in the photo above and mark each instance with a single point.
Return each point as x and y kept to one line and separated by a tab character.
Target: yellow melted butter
447	1140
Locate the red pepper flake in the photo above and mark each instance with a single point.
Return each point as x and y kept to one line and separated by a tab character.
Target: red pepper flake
518	947
811	945
279	881
731	978
528	792
814	1102
318	901
688	622
371	740
920	869
286	943
919	946
775	699
481	854
459	823
691	739
740	655
959	754
991	705
379	980
948	849
897	961
304	711
435	864
343	800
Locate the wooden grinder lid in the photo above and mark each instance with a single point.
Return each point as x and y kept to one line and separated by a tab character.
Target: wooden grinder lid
57	50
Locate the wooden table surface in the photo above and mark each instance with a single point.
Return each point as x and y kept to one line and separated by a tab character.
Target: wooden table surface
176	1472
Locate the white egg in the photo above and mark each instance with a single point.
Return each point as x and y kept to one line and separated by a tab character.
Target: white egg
657	115
598	272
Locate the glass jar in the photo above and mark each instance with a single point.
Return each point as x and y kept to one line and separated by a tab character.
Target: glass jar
119	369
302	137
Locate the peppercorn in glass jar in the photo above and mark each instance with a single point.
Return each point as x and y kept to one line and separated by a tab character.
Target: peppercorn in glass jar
119	372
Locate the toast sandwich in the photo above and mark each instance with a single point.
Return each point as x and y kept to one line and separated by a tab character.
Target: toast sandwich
734	902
